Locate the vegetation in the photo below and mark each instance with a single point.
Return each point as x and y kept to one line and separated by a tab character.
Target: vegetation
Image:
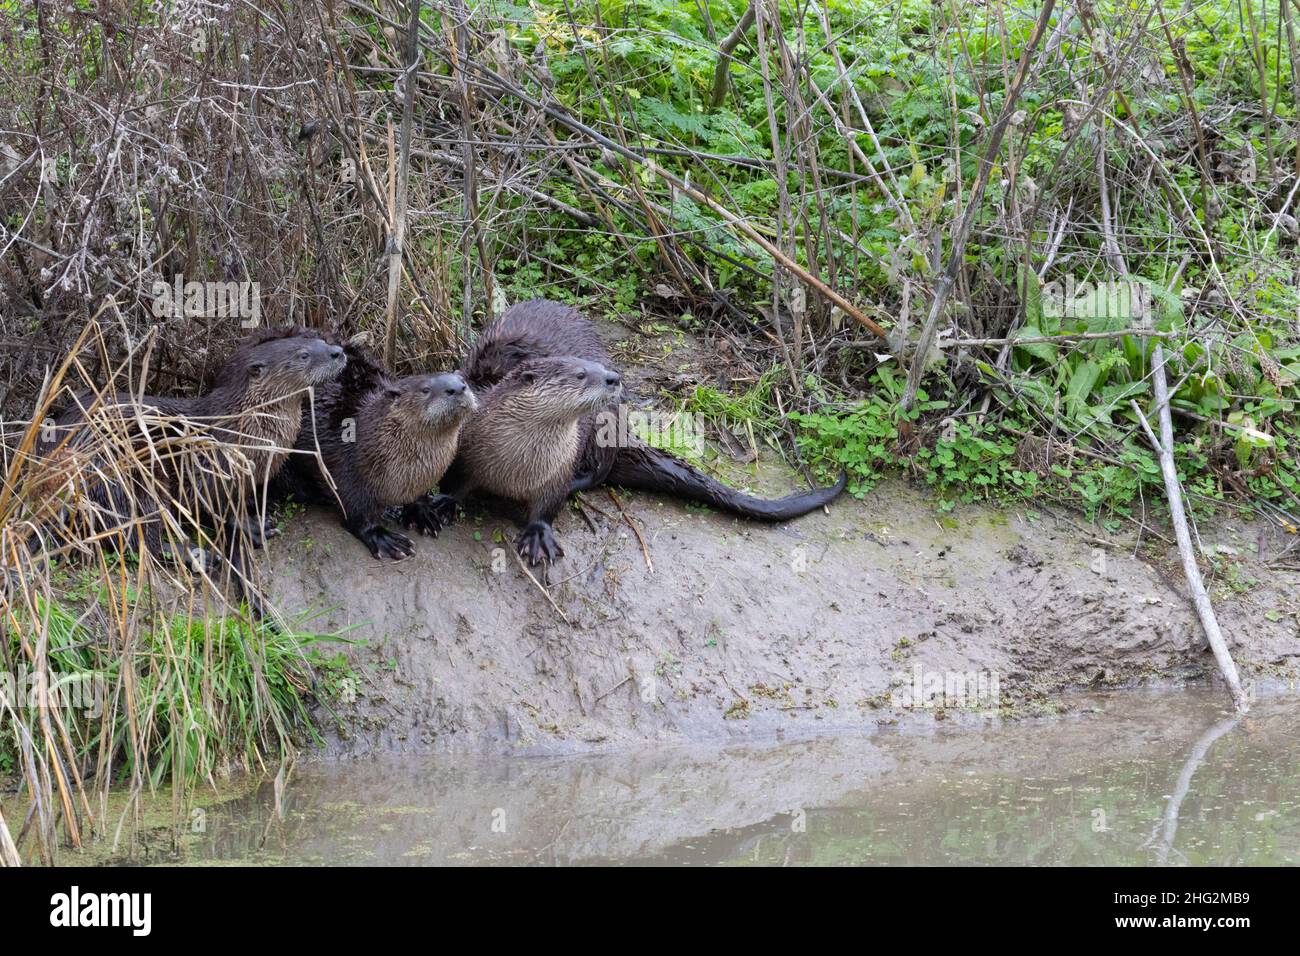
903	258
215	693
123	666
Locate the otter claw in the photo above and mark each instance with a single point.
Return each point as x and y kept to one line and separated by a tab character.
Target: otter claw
430	514
536	544
387	544
259	536
252	528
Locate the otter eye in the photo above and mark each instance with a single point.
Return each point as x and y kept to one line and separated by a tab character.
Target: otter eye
426	390
581	376
304	354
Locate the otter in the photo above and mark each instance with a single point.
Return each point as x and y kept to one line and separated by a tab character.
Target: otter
384	443
546	385
254	404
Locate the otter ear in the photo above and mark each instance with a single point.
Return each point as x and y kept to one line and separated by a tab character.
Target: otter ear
256	369
528	377
392	392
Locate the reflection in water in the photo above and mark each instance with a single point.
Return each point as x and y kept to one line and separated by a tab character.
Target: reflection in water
1094	787
1184	784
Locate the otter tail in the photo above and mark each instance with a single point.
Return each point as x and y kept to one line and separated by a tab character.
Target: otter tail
650	469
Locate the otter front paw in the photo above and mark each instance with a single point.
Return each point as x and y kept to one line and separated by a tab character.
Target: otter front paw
251	527
387	544
197	560
430	514
537	544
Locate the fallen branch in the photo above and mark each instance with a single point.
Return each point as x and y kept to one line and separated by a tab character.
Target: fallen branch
538	584
747	230
645	552
611	690
1164	447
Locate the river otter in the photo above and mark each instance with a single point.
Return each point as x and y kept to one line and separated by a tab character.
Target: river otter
384	443
545	387
254	404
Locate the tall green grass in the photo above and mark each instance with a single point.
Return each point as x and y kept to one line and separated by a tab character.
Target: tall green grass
197	696
124	670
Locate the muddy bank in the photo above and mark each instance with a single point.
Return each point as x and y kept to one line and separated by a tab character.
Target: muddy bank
744	631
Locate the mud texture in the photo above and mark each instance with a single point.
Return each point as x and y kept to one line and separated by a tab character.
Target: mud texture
744	631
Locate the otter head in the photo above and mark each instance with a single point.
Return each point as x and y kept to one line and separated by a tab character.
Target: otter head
281	367
565	387
432	401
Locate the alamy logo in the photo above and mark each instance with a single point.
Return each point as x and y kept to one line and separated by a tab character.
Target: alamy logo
74	909
1116	299
957	690
626	426
179	299
82	691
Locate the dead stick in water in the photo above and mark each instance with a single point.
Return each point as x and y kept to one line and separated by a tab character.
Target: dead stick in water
1164	447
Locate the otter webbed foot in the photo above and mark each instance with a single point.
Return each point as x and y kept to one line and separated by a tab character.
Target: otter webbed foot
430	514
386	544
536	544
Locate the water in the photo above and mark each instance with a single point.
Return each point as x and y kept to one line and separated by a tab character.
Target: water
1128	778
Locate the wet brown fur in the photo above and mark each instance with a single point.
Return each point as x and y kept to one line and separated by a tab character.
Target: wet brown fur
383	442
255	403
534	437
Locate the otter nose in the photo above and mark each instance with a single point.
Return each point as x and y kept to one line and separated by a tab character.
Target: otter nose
613	378
449	385
336	351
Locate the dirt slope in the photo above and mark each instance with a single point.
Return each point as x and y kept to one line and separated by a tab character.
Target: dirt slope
745	630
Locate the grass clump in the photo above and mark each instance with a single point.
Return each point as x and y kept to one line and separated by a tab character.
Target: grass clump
123	667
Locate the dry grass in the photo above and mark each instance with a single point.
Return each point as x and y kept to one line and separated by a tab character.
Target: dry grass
119	671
